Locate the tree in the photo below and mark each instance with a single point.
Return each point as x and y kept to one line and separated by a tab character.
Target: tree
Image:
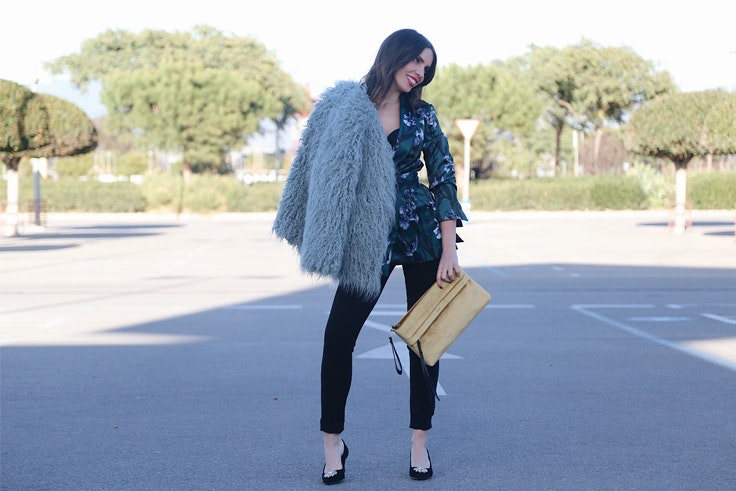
40	126
681	126
614	81
589	86
146	57
70	131
506	108
546	70
23	123
199	111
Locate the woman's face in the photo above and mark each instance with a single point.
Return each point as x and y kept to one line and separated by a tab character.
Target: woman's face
412	74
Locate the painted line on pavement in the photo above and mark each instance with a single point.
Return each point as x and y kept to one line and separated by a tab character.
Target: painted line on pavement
699	305
386	353
587	311
483	265
721	318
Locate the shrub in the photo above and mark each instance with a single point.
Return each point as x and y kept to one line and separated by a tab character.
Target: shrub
261	196
660	190
132	163
613	192
76	166
70	194
162	191
214	194
530	194
712	190
209	194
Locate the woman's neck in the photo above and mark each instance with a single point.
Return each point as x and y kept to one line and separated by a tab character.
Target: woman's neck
391	99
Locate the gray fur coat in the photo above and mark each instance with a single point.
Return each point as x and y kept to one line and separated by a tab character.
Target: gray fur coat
338	204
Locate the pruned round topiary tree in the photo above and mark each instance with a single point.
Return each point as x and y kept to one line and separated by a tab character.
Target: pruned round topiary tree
682	126
39	126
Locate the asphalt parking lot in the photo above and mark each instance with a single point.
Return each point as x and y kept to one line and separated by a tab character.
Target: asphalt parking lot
163	352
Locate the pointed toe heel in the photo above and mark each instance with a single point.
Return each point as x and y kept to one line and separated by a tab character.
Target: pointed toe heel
420	473
334	477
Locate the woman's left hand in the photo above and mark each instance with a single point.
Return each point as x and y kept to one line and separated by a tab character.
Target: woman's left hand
449	268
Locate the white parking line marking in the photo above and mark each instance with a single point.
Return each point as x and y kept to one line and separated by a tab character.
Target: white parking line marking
482	264
376	325
385	353
699	305
720	318
586	310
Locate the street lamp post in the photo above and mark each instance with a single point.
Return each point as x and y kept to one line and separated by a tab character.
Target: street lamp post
467	128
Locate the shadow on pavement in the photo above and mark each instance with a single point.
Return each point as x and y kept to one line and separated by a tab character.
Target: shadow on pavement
228	398
79	233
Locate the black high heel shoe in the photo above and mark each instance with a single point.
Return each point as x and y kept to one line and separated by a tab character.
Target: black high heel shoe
420	473
334	477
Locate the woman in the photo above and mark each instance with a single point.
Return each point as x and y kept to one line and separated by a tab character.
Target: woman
367	212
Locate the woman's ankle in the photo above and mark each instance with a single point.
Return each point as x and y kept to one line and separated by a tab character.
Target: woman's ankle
331	439
419	437
419	453
333	452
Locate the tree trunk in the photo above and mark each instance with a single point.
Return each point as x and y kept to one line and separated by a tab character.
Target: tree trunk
11	210
680	198
558	146
186	171
597	146
576	152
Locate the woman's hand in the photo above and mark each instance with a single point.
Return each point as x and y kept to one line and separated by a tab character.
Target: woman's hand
449	267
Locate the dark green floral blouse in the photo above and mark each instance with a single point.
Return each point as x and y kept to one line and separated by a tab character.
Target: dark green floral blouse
416	236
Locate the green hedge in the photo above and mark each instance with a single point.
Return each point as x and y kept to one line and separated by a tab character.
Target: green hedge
213	194
83	196
209	193
562	193
712	191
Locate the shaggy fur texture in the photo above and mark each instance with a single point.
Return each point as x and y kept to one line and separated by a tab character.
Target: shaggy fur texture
338	204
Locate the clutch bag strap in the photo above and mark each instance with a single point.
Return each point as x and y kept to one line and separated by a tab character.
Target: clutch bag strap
400	368
397	361
427	378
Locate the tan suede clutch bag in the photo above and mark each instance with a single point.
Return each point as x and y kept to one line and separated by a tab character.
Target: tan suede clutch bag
440	316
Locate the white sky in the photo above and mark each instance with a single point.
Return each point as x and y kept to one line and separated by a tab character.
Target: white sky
319	41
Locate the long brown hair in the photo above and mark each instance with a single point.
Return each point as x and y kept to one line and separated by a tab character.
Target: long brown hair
397	50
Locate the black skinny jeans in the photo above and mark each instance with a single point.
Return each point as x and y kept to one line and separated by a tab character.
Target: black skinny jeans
347	316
